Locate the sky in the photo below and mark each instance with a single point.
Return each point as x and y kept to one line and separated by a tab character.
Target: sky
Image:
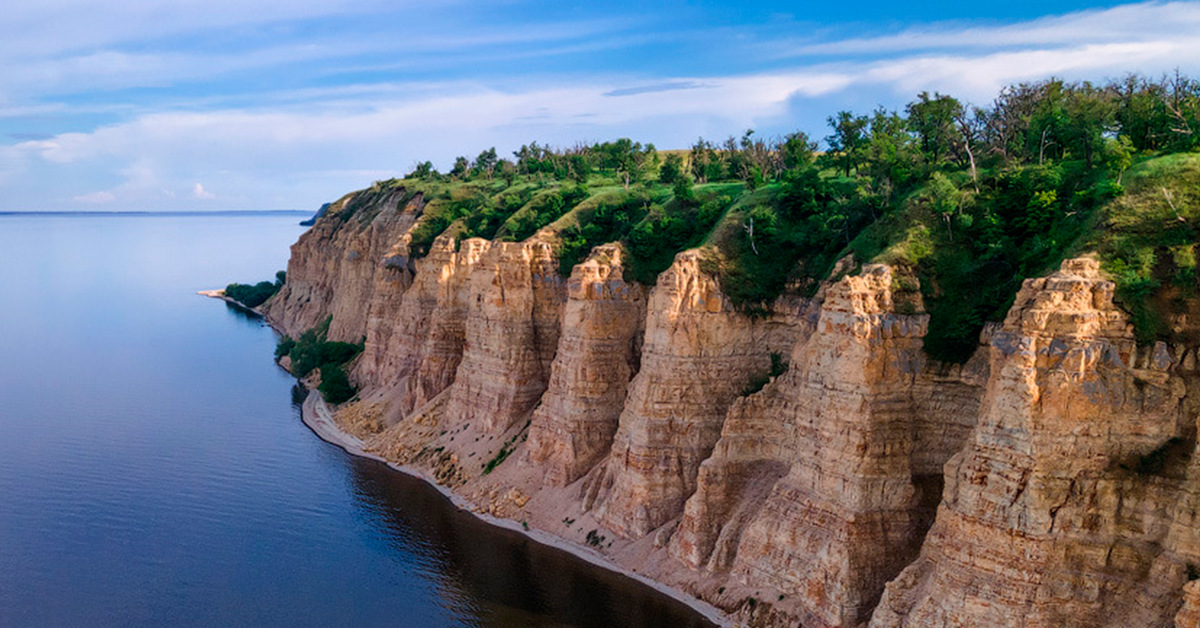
167	105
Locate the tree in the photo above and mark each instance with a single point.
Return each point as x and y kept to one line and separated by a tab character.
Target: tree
625	157
672	170
462	167
945	199
703	160
486	162
890	157
848	140
797	150
423	170
335	386
1089	114
932	119
1118	155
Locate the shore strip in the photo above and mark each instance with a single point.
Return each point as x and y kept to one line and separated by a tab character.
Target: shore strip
318	416
220	294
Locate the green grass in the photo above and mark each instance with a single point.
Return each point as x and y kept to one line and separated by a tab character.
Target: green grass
1147	239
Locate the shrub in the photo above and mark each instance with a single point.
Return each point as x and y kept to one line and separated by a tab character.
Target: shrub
335	386
284	347
252	296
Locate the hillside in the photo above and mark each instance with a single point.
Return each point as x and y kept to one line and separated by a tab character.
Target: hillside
943	373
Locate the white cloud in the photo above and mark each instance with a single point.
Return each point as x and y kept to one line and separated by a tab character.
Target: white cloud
302	144
96	198
1148	21
202	194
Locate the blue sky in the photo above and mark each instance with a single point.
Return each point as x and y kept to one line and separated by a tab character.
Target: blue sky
285	104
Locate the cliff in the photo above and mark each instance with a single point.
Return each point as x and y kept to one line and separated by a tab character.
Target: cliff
805	464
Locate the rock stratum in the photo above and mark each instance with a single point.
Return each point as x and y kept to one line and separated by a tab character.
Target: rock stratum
1051	480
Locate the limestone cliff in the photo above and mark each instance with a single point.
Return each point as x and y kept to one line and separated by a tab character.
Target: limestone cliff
806	465
816	488
697	356
598	354
336	265
1073	503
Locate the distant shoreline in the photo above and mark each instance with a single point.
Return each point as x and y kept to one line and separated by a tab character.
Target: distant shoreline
190	212
220	294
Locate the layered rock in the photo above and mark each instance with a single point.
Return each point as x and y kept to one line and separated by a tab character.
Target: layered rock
1071	485
699	353
1059	511
333	267
513	321
597	355
815	487
419	357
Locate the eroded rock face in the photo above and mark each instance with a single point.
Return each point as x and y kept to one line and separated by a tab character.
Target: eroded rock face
597	355
1060	510
334	266
698	355
815	487
419	358
515	302
1067	453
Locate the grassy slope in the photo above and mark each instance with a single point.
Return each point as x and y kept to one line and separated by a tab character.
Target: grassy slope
970	263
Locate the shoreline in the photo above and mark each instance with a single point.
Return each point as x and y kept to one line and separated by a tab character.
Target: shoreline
318	417
220	294
316	414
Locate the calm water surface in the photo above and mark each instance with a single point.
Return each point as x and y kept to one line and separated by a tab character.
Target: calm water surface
154	469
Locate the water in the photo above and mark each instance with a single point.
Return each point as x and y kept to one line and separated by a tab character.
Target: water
154	469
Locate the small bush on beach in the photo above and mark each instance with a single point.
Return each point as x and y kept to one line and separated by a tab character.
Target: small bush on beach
335	386
256	295
312	352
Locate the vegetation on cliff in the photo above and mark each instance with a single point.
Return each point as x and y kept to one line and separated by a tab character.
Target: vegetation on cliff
312	352
972	200
257	294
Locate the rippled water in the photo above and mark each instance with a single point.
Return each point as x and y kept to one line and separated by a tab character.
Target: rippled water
154	469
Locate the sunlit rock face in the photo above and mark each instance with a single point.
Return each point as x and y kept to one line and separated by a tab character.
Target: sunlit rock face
1049	481
1071	504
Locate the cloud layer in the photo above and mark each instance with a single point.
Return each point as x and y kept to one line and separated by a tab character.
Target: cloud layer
258	108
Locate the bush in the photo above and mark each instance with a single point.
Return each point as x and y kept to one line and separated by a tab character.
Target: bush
335	386
252	296
312	352
669	229
284	347
610	221
543	210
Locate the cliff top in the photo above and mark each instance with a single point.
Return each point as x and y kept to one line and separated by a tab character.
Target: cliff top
971	200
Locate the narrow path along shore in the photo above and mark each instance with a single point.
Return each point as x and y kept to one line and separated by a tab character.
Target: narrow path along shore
318	417
220	294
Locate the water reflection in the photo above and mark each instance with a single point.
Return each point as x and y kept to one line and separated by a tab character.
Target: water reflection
511	580
154	472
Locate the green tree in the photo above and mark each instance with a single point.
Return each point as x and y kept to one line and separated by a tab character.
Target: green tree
671	170
932	119
486	162
335	385
849	139
423	170
797	151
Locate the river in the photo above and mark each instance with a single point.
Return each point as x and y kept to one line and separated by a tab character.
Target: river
154	469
